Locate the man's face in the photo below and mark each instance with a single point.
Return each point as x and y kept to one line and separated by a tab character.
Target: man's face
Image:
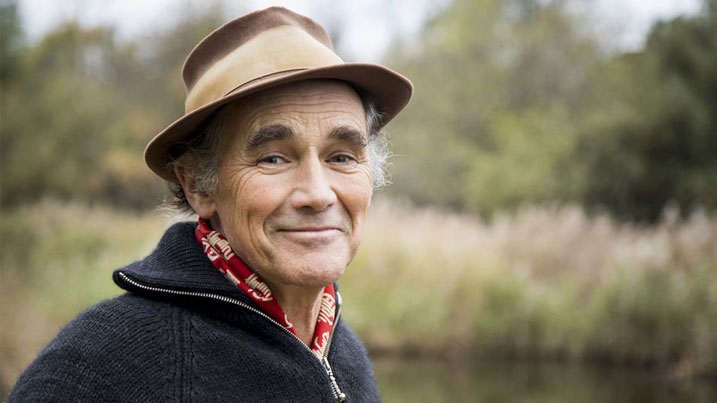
294	182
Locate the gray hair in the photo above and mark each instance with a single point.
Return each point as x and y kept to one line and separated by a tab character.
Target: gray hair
198	157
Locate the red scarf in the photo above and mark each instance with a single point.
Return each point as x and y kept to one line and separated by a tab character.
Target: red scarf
223	257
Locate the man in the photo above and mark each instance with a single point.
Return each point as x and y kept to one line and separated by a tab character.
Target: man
277	154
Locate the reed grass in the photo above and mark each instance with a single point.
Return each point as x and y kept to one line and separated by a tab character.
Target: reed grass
545	282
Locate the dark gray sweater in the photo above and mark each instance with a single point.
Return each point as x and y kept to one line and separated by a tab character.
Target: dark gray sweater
183	333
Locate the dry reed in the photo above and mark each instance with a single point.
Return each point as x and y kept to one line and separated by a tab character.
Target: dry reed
544	281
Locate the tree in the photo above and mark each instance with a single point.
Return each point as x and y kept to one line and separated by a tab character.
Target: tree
11	40
81	106
54	115
660	148
492	124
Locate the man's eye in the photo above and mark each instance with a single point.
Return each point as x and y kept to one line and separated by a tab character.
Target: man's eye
342	159
272	160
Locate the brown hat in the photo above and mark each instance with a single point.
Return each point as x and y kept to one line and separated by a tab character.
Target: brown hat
260	50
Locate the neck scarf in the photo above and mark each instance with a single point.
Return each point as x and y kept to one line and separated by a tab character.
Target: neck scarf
220	253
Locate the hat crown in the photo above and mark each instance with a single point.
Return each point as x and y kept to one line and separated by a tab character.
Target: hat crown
257	45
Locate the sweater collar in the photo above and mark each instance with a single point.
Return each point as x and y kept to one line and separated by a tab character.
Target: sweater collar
178	263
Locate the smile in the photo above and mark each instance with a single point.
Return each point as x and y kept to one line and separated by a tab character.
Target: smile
311	229
311	235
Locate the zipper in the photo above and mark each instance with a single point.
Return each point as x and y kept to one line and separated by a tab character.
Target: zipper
338	394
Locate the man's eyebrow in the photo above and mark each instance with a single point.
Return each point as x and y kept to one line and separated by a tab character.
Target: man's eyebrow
266	135
349	134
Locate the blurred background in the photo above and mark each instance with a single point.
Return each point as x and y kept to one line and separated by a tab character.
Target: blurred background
551	231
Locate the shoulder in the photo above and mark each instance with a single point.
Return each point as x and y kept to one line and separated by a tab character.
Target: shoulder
102	355
351	364
348	344
122	319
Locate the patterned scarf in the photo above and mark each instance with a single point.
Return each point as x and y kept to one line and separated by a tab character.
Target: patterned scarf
220	253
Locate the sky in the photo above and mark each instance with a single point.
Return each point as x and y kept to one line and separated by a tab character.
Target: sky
367	25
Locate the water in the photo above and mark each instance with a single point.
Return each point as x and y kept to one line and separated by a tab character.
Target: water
437	382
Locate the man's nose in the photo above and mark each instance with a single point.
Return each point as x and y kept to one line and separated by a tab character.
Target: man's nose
312	187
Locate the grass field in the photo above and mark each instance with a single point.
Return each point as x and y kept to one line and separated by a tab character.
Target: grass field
545	282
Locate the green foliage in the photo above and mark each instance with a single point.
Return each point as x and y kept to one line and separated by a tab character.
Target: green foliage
54	118
635	314
491	125
11	39
515	105
81	106
660	147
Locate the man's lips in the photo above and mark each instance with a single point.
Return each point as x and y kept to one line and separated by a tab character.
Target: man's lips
311	229
311	234
310	237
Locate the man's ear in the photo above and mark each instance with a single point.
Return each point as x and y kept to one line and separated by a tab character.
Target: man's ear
202	203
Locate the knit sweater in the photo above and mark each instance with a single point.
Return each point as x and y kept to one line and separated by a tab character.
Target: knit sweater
183	333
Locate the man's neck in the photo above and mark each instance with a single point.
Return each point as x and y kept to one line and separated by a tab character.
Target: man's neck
301	306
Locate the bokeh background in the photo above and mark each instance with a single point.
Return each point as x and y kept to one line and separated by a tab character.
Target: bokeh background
554	198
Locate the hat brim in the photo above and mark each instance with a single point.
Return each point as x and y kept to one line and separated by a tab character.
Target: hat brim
389	90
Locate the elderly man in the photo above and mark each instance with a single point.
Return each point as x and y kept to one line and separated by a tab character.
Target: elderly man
277	155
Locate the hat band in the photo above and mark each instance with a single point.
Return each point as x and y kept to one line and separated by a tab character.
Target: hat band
279	50
266	77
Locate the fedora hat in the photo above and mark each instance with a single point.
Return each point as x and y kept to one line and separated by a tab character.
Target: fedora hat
261	50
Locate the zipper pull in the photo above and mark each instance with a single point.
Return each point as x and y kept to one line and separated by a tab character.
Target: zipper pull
340	396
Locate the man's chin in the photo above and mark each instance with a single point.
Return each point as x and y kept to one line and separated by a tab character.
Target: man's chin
314	277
